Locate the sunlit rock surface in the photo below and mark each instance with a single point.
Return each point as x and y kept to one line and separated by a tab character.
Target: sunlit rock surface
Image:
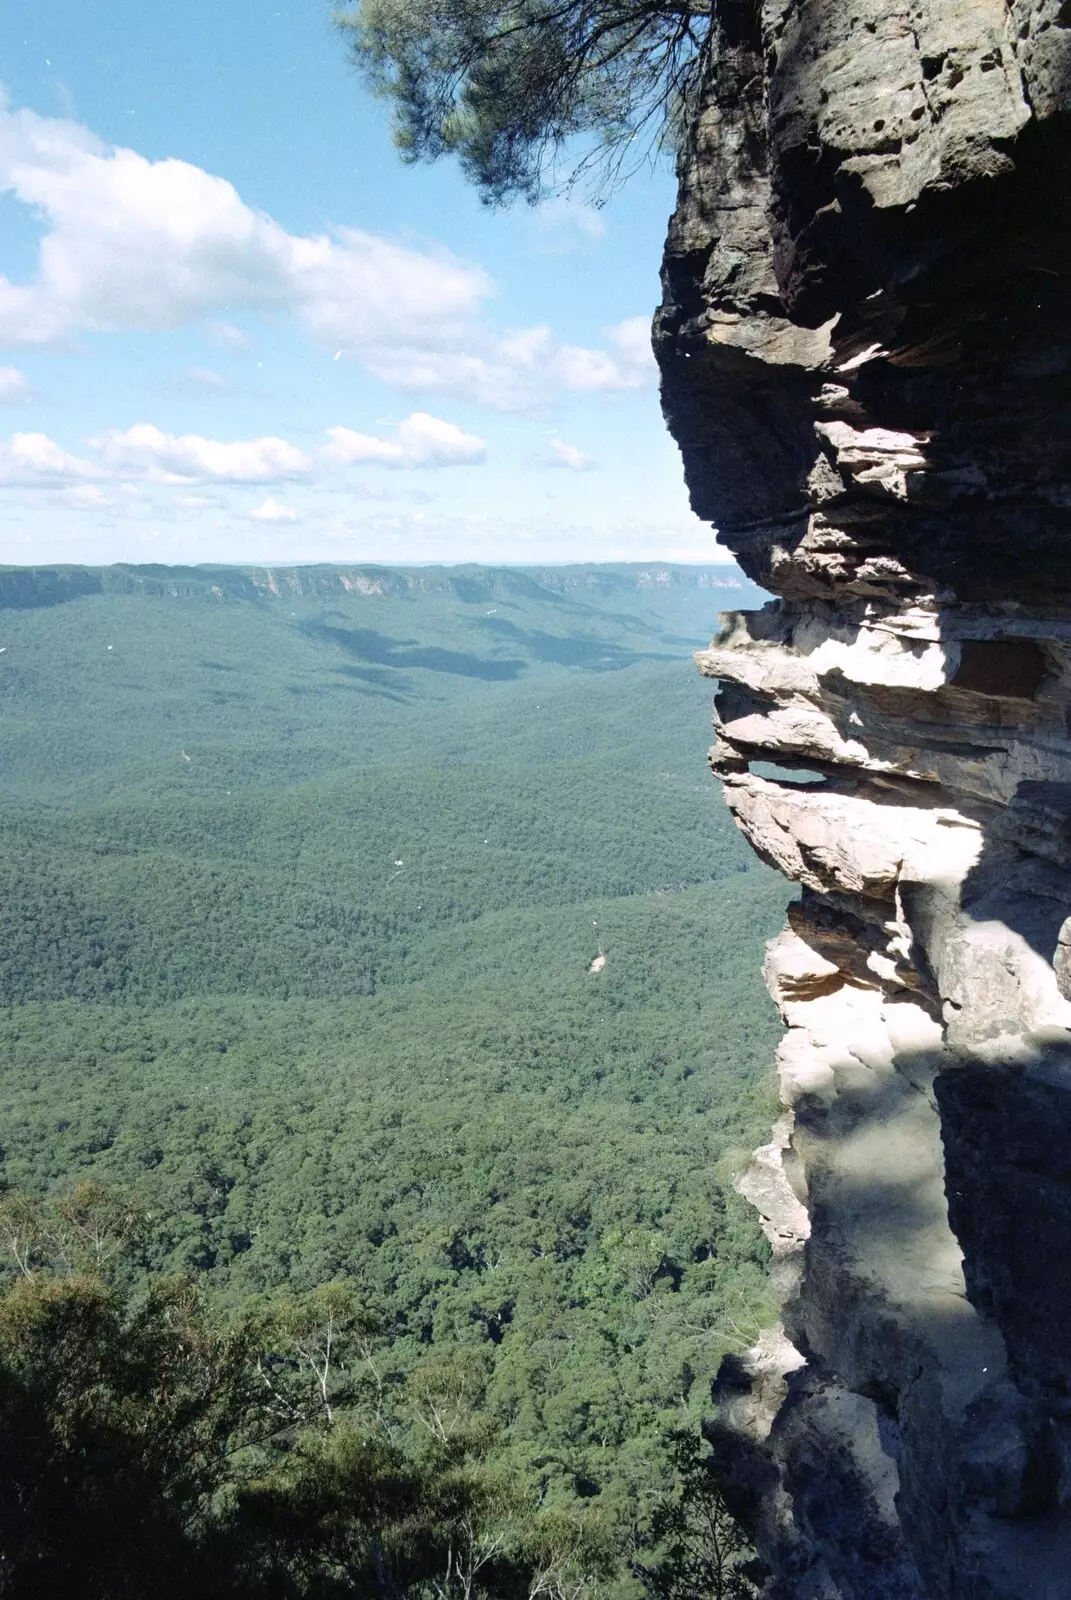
865	346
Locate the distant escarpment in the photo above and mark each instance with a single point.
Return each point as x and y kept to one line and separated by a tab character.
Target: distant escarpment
32	588
865	345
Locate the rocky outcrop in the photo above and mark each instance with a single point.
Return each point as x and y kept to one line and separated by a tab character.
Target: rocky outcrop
865	345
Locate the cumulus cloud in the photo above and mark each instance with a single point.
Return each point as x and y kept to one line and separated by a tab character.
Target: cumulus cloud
14	386
522	370
629	364
134	244
420	441
632	341
189	458
146	453
272	511
33	459
568	456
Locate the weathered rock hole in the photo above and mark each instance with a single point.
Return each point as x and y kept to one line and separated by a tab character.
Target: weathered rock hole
884	1396
931	65
1012	667
795	777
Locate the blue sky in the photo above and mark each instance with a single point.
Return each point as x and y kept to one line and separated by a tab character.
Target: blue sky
233	327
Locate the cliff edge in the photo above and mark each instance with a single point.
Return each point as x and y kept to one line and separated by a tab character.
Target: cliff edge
865	346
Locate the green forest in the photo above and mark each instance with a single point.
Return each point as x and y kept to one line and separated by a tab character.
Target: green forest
381	1028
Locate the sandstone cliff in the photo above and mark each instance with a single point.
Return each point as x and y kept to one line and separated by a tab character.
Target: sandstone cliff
865	346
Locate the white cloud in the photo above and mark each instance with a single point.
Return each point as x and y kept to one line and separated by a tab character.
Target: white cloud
14	386
203	381
421	441
167	458
33	459
147	453
227	337
567	455
630	364
86	495
132	243
271	511
151	245
523	370
195	502
565	227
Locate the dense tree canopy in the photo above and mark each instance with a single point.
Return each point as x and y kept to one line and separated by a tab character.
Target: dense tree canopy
507	87
153	1447
356	1237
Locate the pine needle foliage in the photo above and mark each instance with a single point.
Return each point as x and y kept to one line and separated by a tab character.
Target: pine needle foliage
537	94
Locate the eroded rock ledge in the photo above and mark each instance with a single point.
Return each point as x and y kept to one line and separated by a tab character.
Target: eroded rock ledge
865	346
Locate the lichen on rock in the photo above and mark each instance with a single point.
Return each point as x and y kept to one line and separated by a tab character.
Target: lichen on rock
865	347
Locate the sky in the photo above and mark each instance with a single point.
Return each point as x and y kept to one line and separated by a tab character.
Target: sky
234	327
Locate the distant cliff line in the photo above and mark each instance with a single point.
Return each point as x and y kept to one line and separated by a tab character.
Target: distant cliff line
28	588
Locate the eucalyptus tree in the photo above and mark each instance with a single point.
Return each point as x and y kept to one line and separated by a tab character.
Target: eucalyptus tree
538	94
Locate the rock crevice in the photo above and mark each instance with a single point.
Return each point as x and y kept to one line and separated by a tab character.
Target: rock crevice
865	346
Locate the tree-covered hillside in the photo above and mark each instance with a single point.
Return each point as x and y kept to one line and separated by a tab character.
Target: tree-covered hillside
303	880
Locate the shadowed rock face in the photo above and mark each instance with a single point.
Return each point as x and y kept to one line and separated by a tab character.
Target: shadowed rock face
865	345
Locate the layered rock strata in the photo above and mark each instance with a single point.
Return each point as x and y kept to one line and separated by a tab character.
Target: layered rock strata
865	346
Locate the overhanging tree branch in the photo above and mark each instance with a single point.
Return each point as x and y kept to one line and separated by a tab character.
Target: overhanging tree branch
533	96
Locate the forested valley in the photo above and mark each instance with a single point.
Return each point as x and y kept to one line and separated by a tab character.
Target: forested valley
381	1029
